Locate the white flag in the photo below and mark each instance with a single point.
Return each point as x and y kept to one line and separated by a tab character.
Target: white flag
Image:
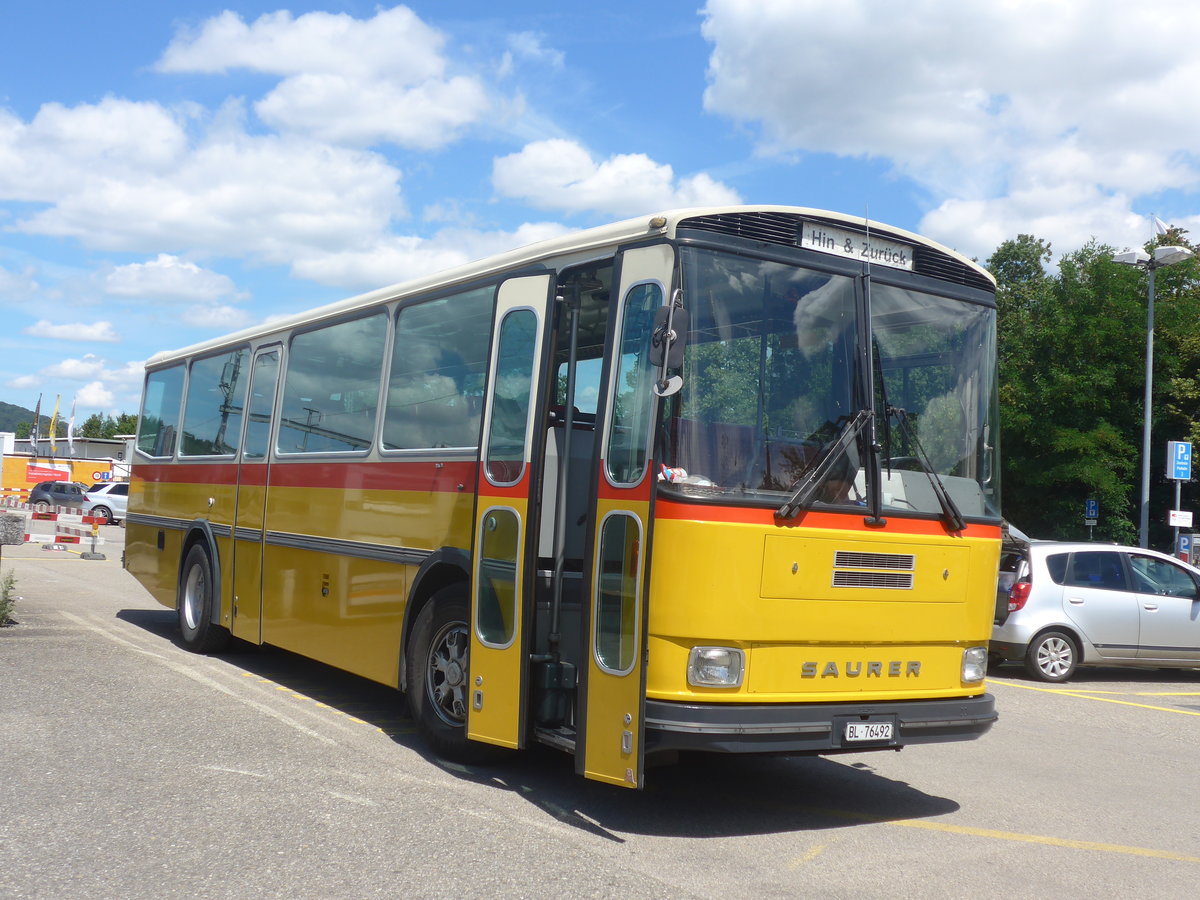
1160	227
71	430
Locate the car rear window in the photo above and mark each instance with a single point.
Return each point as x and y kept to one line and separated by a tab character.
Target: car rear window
1057	566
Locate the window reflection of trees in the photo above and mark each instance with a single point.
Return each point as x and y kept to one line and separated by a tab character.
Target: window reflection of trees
160	412
331	389
439	363
216	394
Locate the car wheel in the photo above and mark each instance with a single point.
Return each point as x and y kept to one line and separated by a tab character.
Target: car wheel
195	605
1052	656
105	512
42	506
437	669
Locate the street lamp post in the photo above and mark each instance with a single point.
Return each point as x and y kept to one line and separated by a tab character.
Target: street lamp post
1163	256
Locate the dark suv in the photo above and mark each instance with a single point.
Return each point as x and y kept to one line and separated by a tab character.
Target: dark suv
49	494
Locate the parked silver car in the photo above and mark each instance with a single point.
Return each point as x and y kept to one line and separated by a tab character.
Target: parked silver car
1096	604
109	499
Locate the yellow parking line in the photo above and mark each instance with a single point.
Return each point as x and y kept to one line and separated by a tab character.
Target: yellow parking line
1047	841
992	834
1082	695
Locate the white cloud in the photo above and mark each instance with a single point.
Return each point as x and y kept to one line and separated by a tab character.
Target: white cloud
24	382
400	258
217	317
263	197
345	80
561	174
100	383
76	369
394	41
94	395
332	107
17	285
988	107
527	45
96	332
167	277
113	140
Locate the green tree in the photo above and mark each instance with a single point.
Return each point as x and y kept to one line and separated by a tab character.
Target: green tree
100	425
1068	375
1072	377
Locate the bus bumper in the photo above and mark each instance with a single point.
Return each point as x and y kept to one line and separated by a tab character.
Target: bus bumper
812	727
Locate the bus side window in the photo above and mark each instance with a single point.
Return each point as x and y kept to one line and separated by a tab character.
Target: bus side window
159	423
438	368
212	415
331	388
261	403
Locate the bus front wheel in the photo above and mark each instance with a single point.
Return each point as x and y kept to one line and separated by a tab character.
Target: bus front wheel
437	670
195	604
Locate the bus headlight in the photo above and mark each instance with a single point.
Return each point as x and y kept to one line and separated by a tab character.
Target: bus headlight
974	664
716	667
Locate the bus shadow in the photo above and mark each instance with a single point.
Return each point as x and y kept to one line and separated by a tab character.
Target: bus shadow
698	796
714	795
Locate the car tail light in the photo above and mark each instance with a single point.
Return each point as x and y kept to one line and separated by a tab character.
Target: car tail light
1018	595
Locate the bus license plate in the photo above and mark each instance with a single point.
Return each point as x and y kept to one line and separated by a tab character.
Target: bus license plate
869	731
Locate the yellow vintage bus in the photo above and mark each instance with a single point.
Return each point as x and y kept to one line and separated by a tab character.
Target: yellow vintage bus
717	480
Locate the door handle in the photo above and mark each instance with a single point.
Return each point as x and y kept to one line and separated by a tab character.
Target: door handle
1150	607
1075	601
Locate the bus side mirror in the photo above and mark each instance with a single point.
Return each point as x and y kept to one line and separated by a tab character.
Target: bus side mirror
666	342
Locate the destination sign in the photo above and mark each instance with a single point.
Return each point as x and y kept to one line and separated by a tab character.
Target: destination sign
852	244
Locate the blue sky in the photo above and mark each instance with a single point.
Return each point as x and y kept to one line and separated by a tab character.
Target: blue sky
170	172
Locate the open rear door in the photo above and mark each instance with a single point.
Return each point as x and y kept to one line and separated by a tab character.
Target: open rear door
609	746
503	553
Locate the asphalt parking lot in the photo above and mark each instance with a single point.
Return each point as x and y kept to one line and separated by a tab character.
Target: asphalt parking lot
136	769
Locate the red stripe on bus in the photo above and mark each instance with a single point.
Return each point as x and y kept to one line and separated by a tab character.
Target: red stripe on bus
741	515
385	476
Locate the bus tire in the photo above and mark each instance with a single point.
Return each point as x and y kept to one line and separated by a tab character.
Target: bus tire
195	604
437	672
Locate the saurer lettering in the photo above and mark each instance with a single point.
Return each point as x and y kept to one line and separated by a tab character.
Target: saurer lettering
856	668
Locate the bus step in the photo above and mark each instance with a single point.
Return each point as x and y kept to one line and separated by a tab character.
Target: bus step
561	738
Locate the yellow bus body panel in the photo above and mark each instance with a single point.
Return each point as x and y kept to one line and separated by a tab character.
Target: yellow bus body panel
342	609
769	591
345	610
158	569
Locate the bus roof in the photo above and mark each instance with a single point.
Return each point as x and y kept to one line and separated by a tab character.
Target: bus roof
573	244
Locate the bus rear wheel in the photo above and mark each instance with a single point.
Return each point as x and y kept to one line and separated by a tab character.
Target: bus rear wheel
195	604
437	676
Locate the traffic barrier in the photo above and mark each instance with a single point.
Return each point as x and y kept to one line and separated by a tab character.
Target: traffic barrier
69	527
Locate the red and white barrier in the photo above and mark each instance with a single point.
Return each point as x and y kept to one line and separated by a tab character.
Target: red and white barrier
69	527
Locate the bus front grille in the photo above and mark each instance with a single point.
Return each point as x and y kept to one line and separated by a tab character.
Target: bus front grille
896	581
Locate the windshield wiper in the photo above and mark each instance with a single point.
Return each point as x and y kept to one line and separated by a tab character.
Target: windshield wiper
950	512
819	470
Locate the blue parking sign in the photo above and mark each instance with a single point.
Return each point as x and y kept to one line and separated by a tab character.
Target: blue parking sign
1179	460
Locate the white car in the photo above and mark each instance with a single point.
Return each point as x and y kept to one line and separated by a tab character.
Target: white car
109	499
1075	605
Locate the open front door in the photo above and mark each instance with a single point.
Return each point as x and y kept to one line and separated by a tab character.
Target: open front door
249	522
504	553
613	692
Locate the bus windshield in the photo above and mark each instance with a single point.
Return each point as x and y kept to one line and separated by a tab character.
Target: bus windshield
774	374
